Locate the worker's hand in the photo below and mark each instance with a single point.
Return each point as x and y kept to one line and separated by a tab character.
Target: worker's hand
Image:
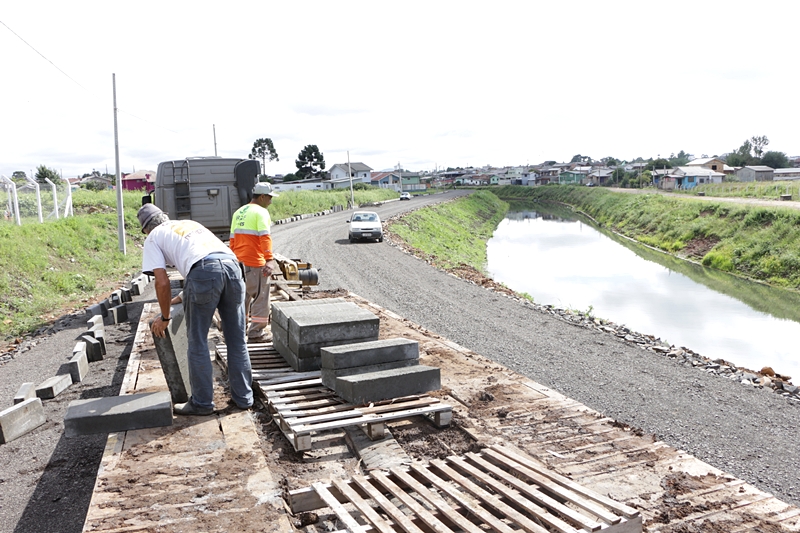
158	327
269	268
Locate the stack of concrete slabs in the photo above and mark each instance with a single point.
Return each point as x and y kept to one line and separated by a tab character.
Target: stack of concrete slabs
301	328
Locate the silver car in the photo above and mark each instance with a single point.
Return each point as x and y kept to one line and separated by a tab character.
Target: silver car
365	225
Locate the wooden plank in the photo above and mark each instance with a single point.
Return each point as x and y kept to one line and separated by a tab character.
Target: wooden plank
368	419
436	501
624	510
555	488
538	512
492	501
279	384
389	508
363	506
537	496
495	523
419	510
338	508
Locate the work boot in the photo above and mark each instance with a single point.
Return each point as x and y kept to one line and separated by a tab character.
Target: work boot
264	337
190	409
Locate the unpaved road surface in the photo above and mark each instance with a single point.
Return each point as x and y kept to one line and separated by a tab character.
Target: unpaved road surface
748	432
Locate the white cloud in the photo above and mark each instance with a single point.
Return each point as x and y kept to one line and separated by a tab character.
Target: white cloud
420	83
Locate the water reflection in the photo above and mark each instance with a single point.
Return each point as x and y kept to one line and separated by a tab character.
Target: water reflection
560	260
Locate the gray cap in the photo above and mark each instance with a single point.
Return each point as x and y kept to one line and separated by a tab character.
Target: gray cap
262	187
146	214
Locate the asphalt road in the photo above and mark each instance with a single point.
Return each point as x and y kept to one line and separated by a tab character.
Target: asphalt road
748	432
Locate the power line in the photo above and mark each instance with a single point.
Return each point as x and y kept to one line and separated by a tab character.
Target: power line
43	57
76	82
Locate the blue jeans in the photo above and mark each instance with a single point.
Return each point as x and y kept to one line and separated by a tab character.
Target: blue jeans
215	284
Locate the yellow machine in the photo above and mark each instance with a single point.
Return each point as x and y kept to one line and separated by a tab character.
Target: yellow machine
296	271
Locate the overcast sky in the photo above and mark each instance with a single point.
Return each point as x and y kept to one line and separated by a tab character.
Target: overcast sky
424	84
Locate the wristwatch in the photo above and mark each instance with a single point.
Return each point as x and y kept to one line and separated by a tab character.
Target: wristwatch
164	319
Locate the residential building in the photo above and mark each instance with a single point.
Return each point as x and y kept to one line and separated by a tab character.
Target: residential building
755	173
714	163
786	174
358	171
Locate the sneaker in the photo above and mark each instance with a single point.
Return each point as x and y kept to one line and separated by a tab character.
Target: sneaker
190	409
262	338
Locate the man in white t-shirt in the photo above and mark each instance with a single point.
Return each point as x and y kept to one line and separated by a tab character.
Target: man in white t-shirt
212	281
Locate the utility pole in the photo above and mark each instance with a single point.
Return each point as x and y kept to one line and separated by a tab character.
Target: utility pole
120	213
350	175
214	128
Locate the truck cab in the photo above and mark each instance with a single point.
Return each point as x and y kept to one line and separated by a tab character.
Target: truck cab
207	190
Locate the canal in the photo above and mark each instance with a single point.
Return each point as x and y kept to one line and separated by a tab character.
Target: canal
559	259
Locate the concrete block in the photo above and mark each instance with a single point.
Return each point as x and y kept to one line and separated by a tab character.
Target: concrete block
118	413
119	314
114	299
20	419
306	364
78	367
95	321
25	392
80	347
99	334
135	290
329	375
126	295
387	384
95	310
369	353
52	387
93	349
282	310
105	306
355	324
172	350
313	349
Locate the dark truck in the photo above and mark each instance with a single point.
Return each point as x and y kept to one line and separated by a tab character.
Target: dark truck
205	189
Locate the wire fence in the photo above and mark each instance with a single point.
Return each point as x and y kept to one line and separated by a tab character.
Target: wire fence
34	202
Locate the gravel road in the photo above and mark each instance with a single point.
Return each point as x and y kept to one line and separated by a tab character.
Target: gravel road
748	432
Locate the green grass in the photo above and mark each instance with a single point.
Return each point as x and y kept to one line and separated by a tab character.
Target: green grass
760	243
754	189
454	232
50	268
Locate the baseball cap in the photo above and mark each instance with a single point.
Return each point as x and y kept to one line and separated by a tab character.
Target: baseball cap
146	213
262	187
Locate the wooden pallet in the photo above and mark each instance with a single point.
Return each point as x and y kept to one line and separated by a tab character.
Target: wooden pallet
301	405
498	489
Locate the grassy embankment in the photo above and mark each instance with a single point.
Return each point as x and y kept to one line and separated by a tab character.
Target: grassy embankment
453	233
759	243
47	269
754	189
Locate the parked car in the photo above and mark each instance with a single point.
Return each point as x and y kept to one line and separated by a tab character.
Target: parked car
365	225
405	196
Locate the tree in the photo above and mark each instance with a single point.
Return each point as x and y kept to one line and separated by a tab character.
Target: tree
775	160
658	163
310	163
263	149
42	173
581	159
679	160
290	177
740	157
610	161
759	143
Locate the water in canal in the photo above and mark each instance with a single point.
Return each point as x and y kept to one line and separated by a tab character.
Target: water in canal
557	259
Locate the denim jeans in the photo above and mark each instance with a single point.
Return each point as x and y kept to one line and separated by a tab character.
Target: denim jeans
211	285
